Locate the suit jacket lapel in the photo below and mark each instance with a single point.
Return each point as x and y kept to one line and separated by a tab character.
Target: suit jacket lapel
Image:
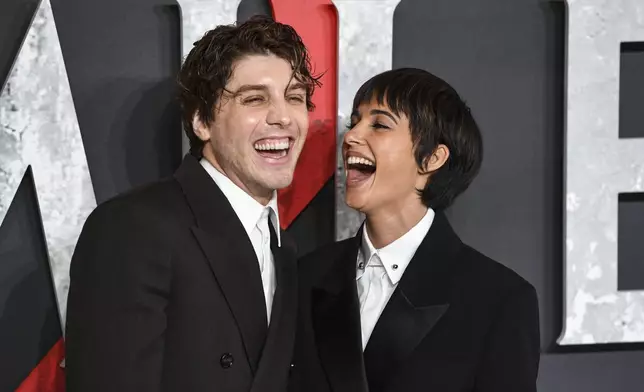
229	253
272	373
400	328
336	322
418	303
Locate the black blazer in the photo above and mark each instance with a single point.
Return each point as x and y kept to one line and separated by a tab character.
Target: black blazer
457	321
166	295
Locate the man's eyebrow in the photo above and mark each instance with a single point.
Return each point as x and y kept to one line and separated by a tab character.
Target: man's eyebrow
250	87
296	86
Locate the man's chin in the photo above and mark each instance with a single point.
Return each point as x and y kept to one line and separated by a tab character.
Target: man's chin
277	181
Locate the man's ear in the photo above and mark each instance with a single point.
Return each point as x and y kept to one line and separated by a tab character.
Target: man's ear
200	128
436	160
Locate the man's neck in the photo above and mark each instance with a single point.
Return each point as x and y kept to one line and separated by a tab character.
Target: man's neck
262	196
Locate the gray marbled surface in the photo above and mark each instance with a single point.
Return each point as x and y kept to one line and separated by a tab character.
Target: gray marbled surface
598	166
38	127
365	49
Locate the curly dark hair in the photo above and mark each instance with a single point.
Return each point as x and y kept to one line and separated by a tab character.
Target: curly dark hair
209	66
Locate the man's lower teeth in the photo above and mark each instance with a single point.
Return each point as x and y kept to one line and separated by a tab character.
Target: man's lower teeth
281	153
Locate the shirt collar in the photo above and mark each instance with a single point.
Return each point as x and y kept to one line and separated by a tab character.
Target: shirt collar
248	210
396	256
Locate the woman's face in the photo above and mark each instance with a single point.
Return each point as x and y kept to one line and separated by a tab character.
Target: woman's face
381	170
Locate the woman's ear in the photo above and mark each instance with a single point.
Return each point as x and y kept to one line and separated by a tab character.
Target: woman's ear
436	160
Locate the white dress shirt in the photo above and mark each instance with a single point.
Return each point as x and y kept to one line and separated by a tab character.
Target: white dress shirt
254	217
380	270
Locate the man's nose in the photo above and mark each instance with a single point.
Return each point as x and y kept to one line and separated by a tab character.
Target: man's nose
279	115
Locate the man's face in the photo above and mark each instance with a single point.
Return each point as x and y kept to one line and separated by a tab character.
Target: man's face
260	124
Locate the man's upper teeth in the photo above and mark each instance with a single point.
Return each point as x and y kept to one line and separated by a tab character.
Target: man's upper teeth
357	160
271	146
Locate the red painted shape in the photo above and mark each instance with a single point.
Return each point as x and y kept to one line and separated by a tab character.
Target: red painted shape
316	21
48	375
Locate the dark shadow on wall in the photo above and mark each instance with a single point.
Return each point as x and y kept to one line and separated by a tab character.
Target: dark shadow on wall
122	80
147	130
552	299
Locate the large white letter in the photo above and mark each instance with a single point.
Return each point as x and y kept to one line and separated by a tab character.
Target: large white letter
599	166
366	35
38	127
199	16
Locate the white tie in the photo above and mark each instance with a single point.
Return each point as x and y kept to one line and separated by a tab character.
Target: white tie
370	293
265	258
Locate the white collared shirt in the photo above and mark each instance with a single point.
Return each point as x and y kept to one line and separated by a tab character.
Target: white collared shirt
254	217
388	264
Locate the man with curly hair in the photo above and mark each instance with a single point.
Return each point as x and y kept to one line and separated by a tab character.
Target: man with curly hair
188	284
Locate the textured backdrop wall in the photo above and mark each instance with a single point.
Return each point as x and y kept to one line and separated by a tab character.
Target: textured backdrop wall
38	127
561	138
599	167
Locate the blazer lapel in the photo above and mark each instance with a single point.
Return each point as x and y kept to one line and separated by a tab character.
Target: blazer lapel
336	322
400	328
274	366
417	305
230	254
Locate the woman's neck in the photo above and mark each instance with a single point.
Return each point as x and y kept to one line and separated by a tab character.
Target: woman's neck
385	225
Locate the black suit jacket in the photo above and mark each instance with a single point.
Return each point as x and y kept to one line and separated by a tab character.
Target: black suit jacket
166	295
457	321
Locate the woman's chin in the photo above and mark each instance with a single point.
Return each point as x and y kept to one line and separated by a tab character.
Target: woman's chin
356	200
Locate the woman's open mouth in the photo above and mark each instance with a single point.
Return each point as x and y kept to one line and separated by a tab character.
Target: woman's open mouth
359	170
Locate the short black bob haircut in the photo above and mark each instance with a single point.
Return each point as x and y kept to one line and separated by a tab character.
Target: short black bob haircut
437	115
